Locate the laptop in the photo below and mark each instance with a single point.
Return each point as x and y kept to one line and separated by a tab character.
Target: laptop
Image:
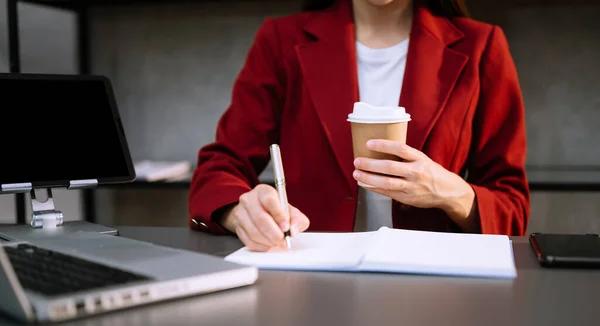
65	131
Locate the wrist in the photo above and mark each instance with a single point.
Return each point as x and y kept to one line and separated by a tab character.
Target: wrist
459	204
225	217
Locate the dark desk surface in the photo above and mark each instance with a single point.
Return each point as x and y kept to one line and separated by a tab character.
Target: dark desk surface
537	297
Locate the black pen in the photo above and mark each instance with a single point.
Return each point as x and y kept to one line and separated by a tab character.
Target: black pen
280	185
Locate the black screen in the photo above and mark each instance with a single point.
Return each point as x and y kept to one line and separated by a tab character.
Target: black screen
59	129
569	245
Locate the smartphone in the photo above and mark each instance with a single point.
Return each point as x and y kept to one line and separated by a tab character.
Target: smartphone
566	250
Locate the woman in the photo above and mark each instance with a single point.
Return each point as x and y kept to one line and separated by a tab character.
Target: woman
462	169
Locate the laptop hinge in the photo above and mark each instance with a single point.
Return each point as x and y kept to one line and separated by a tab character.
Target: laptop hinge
14	188
44	214
82	184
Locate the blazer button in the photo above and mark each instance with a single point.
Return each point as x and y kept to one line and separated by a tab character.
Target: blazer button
200	224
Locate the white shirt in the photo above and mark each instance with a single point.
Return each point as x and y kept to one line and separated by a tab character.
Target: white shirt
380	77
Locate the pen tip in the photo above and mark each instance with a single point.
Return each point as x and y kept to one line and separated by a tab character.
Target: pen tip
288	242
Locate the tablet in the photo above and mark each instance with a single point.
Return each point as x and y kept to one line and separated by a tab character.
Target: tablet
566	250
64	131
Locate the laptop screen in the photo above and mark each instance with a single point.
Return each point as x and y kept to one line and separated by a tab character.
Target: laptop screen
56	129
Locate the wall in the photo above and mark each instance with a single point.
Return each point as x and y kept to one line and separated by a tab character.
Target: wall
555	49
173	65
172	68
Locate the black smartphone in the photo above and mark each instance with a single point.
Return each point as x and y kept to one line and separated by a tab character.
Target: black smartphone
566	250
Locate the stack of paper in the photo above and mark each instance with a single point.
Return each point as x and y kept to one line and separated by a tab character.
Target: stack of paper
391	251
162	170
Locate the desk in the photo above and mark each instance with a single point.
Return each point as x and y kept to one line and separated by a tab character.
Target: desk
537	297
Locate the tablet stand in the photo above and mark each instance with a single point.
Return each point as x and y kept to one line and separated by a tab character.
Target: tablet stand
46	220
44	214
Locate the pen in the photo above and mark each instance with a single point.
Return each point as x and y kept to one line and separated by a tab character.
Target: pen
280	185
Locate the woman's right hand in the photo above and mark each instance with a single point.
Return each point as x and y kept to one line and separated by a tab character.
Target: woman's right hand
260	222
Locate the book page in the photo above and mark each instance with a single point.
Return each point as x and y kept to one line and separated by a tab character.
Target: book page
311	251
440	253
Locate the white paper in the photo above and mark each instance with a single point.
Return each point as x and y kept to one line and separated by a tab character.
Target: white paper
440	253
311	251
393	251
161	170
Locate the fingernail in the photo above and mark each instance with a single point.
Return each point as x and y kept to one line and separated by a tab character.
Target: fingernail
356	174
370	144
284	226
357	162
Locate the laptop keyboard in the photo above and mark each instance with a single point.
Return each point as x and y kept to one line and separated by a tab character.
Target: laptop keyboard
52	273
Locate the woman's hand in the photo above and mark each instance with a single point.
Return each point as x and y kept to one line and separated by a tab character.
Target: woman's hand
260	221
417	181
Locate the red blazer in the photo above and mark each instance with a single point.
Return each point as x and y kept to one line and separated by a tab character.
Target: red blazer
298	86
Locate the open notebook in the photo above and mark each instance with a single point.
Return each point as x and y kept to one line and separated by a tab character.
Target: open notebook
391	251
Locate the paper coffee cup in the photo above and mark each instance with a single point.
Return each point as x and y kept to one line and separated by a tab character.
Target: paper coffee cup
376	122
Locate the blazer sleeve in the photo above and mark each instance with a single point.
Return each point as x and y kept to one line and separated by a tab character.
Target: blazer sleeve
497	168
230	166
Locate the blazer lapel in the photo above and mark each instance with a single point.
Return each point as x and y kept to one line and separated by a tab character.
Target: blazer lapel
329	70
432	69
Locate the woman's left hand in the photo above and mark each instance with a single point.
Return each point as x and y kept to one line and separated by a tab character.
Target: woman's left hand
416	181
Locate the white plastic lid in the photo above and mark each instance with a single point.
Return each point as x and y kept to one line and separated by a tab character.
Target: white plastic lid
366	113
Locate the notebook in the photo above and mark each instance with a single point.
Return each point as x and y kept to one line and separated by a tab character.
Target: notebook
391	251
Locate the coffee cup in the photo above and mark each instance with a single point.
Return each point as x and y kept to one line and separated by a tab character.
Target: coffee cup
376	122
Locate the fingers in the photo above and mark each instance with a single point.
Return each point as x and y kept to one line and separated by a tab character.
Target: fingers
247	223
395	148
260	221
269	198
388	167
298	220
380	181
248	242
